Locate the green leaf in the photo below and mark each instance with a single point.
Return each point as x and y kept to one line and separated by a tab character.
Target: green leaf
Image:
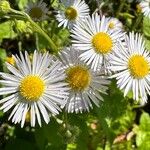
48	136
146	26
71	147
143	140
2	59
147	44
1	113
115	114
79	130
145	122
55	4
3	54
20	144
143	132
22	3
6	30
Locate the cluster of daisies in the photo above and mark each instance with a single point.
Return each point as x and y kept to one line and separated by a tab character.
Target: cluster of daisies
77	78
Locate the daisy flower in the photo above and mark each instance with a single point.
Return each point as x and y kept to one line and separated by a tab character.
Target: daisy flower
33	88
131	64
85	84
95	40
114	24
145	6
74	11
37	11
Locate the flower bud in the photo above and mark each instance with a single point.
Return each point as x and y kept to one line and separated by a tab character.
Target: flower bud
4	6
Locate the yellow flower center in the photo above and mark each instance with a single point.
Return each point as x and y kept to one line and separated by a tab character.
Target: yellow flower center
111	25
71	13
32	87
36	13
78	78
102	43
138	66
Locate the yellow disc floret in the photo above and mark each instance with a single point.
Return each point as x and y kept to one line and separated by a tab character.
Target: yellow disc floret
78	78
138	66
36	12
102	43
111	25
71	13
32	87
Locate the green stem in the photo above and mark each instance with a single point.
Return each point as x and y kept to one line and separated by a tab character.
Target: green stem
137	22
122	2
40	31
36	27
37	41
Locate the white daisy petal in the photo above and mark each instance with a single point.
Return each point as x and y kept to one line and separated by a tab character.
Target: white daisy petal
82	81
38	114
36	88
24	115
131	70
145	6
43	112
7	90
96	40
74	11
32	115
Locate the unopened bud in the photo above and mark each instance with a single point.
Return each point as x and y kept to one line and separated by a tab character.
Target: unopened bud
4	6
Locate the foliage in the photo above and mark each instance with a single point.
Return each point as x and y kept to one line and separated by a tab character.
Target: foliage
119	123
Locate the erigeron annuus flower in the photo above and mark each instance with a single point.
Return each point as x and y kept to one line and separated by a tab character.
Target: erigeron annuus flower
37	11
145	6
131	64
34	88
114	24
74	11
85	84
95	40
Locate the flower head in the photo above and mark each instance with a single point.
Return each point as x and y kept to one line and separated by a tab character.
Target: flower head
74	11
37	11
94	39
85	84
131	64
114	24
34	87
145	6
